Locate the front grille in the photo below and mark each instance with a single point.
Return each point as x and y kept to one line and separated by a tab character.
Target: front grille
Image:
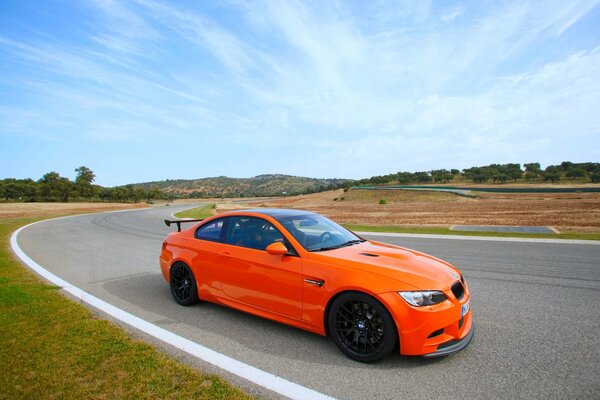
458	290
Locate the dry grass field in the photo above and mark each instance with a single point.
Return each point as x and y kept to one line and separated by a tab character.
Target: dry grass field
578	212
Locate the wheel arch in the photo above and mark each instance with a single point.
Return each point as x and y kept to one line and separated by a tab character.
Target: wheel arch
355	290
179	261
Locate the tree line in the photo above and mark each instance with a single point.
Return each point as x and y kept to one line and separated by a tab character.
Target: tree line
496	173
54	188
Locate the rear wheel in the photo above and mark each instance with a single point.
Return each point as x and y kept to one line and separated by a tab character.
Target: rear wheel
183	285
361	327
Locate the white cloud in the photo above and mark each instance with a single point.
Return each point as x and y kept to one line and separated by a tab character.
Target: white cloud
546	111
452	15
123	30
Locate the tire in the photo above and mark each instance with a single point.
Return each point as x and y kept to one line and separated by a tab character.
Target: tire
183	285
361	327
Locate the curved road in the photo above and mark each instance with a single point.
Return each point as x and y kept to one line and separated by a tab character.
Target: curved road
536	308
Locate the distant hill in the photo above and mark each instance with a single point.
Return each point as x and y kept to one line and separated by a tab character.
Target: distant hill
261	185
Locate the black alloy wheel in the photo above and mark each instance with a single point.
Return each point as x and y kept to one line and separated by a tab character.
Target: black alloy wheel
183	285
361	327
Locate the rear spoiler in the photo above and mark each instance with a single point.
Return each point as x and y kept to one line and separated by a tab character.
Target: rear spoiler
180	221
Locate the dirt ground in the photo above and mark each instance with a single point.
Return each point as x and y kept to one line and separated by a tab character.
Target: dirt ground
18	210
563	211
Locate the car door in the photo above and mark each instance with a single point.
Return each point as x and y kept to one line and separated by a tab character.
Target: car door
250	275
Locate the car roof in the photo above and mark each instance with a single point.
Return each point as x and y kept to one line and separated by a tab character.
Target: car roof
277	213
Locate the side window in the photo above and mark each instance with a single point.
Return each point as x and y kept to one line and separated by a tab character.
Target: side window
211	231
254	233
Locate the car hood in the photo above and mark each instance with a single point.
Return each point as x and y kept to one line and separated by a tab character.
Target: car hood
418	270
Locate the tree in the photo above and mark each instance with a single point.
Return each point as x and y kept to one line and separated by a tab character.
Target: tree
155	193
515	174
138	193
552	176
11	191
499	177
106	194
552	173
575	172
566	165
441	175
128	192
422	177
65	189
405	177
120	194
17	189
28	190
534	168
83	182
479	178
48	186
529	176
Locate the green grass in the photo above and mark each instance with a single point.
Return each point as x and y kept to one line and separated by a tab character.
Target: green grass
446	231
198	212
54	348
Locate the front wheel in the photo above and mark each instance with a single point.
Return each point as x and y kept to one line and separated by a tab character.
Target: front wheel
183	285
361	327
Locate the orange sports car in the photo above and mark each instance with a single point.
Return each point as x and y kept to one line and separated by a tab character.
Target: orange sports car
304	270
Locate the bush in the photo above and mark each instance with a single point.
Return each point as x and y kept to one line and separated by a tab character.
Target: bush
382	201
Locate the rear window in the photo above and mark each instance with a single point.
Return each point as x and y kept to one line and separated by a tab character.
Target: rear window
211	231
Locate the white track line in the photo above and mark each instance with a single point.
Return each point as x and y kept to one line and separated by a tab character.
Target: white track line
494	239
255	375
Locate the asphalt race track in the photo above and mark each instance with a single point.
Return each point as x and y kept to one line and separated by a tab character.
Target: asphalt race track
536	308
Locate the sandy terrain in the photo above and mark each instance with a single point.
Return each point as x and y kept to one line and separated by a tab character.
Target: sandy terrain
17	210
564	211
573	211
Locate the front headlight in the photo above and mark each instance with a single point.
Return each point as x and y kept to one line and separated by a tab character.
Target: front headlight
423	298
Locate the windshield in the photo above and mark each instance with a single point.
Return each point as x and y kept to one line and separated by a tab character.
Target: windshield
317	233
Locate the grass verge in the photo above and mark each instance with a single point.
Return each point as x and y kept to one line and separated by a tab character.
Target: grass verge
51	347
446	231
198	212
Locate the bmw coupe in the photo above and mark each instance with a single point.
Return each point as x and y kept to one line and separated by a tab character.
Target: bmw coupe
302	269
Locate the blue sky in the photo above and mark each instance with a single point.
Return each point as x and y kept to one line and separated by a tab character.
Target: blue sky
148	90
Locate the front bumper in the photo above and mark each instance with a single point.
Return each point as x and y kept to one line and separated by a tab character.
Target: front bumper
431	330
452	346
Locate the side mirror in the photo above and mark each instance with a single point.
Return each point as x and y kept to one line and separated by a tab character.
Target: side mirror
277	249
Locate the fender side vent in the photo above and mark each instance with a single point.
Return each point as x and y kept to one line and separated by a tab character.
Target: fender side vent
369	254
